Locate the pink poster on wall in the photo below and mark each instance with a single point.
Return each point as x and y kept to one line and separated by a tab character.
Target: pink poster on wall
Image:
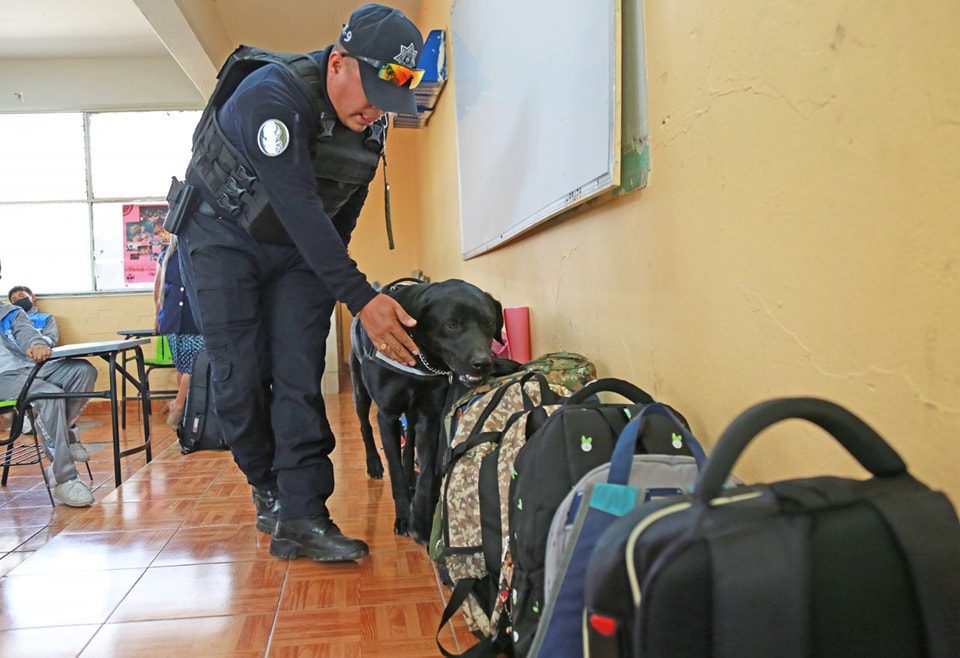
143	241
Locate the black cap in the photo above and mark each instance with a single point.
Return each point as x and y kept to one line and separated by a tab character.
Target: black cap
384	34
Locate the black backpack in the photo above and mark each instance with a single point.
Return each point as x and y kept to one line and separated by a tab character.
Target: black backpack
199	428
811	567
577	438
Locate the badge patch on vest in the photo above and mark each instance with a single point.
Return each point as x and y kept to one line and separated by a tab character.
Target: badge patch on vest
273	138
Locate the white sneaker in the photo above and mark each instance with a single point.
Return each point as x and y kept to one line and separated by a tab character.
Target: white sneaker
74	493
78	452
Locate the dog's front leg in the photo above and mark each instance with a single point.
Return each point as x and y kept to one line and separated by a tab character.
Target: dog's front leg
410	455
390	437
361	402
428	484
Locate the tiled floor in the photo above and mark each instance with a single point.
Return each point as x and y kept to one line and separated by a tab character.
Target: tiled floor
170	564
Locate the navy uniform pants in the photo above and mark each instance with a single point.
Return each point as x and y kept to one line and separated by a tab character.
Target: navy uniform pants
264	315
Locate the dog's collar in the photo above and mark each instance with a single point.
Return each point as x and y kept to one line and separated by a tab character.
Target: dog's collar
370	351
402	367
444	373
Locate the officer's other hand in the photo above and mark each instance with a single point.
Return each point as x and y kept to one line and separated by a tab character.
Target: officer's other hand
384	320
39	352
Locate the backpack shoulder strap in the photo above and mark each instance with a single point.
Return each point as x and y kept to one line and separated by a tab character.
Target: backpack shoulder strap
925	525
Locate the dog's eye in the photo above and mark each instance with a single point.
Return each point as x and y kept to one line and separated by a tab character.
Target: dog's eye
452	326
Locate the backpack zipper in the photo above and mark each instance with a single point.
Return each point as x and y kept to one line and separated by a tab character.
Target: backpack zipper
656	516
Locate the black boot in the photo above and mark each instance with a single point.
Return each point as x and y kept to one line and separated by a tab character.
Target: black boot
317	538
268	506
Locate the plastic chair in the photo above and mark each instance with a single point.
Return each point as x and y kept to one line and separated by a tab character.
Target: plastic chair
24	454
161	359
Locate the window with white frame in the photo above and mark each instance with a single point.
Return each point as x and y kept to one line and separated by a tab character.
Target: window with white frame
81	193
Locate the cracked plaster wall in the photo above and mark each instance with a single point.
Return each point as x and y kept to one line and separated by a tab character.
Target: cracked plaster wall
800	234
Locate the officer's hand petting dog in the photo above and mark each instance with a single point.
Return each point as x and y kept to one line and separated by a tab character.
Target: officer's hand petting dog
384	319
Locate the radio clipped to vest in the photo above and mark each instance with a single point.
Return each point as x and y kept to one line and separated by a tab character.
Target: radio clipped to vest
182	199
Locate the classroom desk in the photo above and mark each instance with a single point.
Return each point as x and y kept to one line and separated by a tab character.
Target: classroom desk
108	351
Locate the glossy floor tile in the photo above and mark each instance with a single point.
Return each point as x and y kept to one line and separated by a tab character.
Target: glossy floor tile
96	551
62	599
65	641
241	636
170	564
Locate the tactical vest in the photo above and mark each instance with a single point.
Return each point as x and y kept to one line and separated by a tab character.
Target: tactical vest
343	160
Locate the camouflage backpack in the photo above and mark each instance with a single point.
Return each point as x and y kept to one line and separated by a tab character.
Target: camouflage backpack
488	429
567	369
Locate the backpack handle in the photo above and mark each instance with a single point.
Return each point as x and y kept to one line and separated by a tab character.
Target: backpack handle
546	393
860	440
611	385
622	459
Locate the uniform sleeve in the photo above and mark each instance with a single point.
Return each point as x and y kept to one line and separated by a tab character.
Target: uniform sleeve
25	335
291	187
51	332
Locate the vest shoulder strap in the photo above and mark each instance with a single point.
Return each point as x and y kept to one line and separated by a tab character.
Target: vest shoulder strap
303	68
246	59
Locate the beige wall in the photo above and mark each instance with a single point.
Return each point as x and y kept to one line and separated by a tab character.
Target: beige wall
799	235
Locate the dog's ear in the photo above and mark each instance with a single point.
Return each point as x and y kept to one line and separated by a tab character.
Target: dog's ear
498	311
414	299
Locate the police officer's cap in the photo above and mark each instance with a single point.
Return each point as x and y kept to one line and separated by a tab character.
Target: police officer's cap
386	35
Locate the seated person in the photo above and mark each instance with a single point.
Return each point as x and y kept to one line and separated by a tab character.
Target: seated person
21	346
45	323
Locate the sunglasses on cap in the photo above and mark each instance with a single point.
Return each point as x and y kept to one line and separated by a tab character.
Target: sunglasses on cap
392	72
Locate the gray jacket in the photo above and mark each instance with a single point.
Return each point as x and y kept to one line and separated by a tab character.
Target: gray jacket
51	330
19	335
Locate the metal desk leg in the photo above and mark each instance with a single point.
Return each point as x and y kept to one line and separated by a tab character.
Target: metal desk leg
123	396
114	421
144	389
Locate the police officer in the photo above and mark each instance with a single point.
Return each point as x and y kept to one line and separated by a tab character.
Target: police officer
282	158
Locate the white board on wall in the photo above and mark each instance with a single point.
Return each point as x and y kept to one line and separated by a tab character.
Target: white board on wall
538	111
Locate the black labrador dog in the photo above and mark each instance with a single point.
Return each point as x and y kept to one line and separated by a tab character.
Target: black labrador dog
455	323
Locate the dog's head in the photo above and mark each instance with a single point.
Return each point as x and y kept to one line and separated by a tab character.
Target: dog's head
455	323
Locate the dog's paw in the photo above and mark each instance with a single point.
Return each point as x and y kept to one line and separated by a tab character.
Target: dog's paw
420	535
421	524
375	468
401	527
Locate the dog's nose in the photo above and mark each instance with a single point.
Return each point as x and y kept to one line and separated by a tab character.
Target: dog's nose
481	365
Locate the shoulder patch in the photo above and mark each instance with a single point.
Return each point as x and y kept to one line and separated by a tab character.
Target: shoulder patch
273	138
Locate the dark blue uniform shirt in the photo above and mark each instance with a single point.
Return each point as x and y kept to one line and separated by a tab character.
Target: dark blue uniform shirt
271	93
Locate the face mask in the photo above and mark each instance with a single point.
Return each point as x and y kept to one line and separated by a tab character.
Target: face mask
24	303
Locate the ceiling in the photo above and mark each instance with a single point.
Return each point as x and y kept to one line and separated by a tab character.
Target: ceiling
112	28
82	28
